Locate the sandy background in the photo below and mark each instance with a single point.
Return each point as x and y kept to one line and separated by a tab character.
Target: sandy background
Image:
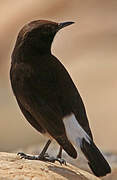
88	49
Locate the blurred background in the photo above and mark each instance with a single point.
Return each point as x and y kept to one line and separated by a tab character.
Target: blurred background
88	49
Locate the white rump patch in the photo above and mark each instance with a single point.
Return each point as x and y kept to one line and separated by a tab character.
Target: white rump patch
74	131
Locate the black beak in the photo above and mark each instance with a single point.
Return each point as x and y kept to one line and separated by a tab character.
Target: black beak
64	24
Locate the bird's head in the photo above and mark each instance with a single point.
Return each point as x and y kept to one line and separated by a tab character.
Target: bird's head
37	36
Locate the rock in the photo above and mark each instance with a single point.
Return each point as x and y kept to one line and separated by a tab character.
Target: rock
14	168
80	162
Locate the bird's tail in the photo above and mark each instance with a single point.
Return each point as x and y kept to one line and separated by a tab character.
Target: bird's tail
96	160
67	146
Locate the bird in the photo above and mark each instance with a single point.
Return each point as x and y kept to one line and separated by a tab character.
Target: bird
48	97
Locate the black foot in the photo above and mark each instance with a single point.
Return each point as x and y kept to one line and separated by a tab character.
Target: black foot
25	156
61	161
46	157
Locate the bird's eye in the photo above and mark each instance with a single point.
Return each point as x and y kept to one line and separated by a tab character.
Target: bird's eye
50	29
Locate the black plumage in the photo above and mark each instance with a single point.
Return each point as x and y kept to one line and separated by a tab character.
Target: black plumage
44	89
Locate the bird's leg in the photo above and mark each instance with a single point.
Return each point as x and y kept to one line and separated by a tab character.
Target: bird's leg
45	148
43	156
60	153
59	156
53	159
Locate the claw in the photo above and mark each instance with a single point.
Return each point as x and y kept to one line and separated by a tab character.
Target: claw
22	155
61	161
46	157
25	156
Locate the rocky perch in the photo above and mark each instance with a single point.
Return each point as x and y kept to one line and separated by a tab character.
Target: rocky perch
14	168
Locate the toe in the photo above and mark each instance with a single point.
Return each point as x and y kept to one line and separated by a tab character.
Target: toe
61	161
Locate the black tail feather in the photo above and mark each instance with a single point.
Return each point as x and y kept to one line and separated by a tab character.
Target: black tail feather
67	146
96	160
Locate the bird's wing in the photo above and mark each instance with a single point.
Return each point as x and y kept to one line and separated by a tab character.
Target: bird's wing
30	118
18	74
40	108
69	97
48	117
36	96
